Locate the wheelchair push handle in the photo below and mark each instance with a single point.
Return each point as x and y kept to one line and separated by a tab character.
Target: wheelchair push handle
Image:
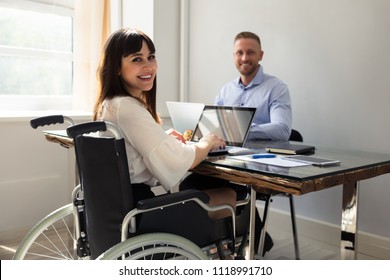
49	120
90	127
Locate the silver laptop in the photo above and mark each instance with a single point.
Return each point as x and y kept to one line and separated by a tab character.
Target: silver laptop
232	124
184	115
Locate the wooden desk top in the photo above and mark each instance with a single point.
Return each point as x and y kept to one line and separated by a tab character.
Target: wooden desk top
355	166
274	184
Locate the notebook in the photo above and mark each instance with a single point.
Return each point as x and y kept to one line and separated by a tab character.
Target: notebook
230	123
290	149
184	115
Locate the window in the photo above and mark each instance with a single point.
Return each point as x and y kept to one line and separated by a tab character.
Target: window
36	55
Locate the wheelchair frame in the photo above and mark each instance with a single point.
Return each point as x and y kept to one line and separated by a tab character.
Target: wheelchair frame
75	245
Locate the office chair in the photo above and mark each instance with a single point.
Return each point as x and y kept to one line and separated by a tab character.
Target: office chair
294	136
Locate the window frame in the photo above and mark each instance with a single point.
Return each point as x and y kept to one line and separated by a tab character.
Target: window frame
41	102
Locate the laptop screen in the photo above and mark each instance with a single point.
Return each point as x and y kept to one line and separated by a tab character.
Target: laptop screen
230	123
184	115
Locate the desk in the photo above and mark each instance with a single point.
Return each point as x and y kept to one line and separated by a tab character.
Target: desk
355	166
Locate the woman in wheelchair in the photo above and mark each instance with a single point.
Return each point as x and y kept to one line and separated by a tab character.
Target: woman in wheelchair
127	98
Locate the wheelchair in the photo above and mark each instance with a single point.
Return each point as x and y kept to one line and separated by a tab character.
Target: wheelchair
103	222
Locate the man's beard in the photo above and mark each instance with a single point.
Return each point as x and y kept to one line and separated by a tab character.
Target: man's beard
248	71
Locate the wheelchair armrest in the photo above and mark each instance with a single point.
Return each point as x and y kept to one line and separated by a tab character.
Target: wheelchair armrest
244	201
166	200
170	198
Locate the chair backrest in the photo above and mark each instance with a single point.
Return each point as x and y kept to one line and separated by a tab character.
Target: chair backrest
296	136
105	181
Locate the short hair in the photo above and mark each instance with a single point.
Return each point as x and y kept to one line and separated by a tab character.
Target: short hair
247	35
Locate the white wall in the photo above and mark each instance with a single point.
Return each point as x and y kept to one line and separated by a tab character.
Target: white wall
160	20
334	57
167	41
36	176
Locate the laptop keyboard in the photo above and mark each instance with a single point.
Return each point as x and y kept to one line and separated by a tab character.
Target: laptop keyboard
219	151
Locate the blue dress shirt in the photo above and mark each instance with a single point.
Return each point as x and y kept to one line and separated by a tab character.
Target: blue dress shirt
270	96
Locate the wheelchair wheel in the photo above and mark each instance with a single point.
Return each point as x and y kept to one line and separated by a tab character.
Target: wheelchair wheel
52	238
155	246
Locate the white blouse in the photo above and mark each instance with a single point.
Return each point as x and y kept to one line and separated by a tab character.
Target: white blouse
153	156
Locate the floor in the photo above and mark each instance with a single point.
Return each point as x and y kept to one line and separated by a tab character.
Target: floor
309	249
283	248
8	247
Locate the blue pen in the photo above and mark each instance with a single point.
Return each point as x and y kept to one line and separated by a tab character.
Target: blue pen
263	156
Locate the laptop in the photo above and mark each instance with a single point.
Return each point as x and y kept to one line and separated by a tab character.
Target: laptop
232	124
184	115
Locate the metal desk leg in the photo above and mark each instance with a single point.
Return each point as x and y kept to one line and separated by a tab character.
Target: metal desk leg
294	227
264	230
251	247
349	213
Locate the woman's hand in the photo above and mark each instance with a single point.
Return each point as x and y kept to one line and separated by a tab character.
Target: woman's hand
214	141
205	145
176	134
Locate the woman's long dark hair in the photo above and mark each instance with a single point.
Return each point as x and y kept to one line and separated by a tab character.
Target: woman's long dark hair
122	43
